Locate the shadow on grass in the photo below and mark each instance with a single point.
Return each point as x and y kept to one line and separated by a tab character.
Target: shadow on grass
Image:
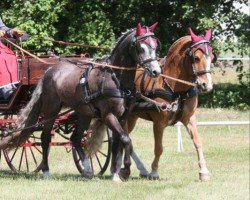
6	174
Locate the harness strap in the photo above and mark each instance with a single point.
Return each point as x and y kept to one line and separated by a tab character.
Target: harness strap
148	34
182	97
107	93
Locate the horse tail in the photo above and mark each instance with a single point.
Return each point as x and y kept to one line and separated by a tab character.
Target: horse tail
28	116
95	134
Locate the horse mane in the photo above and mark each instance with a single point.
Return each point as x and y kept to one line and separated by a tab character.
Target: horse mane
172	47
176	52
121	38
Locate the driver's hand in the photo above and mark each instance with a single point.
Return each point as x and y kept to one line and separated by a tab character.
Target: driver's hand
17	32
2	33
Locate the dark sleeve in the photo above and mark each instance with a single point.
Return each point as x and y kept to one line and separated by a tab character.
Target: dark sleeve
5	28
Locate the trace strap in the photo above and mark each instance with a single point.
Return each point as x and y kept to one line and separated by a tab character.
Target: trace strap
40	123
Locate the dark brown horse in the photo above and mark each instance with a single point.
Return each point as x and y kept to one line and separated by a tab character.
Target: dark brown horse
189	59
93	91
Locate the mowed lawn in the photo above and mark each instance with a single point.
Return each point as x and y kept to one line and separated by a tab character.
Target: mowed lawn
226	150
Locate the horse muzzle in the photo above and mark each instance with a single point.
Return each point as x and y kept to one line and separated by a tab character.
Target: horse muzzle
153	68
204	87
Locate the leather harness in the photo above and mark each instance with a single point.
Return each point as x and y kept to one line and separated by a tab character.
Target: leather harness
168	95
103	93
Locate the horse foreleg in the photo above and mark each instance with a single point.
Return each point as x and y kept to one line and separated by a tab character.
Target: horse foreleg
158	149
76	138
192	129
114	125
139	165
131	122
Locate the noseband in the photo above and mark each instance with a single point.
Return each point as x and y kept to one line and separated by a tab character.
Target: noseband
191	55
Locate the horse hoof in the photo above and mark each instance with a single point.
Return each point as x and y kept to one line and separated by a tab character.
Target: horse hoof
204	177
47	175
145	176
116	178
154	176
88	175
124	174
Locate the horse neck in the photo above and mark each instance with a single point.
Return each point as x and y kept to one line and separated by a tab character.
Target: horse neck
126	77
178	65
120	56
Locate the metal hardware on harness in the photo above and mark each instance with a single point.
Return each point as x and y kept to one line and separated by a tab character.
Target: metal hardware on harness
160	106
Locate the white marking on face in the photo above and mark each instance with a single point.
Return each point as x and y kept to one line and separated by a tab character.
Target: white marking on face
209	76
150	53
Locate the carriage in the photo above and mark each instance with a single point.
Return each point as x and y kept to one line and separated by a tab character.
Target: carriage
28	157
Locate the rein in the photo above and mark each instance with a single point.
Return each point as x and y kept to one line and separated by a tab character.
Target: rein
96	63
78	44
178	80
30	54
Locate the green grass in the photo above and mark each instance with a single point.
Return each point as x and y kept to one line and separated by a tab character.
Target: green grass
226	150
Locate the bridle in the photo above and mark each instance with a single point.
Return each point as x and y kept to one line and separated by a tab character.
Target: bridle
192	49
136	41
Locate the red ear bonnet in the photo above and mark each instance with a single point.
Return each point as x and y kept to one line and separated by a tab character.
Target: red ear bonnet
208	35
194	37
152	28
139	30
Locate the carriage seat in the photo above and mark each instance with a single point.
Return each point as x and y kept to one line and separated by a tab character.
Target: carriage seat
8	72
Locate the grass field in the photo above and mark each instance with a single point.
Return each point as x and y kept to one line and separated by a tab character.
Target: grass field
227	155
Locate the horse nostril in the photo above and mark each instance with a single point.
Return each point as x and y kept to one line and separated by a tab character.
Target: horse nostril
204	85
155	73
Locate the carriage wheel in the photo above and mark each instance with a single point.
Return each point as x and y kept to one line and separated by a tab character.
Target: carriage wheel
100	160
28	157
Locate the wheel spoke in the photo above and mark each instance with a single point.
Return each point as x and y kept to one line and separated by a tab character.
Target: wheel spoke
98	161
38	150
102	153
13	154
92	166
26	159
20	163
33	156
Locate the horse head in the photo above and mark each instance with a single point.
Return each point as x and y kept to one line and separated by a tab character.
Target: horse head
144	49
201	55
138	46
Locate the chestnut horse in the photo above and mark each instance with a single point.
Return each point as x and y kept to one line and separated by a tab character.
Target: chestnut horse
93	91
189	59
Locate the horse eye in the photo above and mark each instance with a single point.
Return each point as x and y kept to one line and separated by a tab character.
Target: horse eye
141	49
196	59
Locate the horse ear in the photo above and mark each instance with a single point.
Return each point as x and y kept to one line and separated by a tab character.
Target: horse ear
152	28
208	34
194	37
138	29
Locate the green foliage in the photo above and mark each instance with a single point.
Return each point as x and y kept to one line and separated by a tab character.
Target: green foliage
84	22
99	22
227	96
